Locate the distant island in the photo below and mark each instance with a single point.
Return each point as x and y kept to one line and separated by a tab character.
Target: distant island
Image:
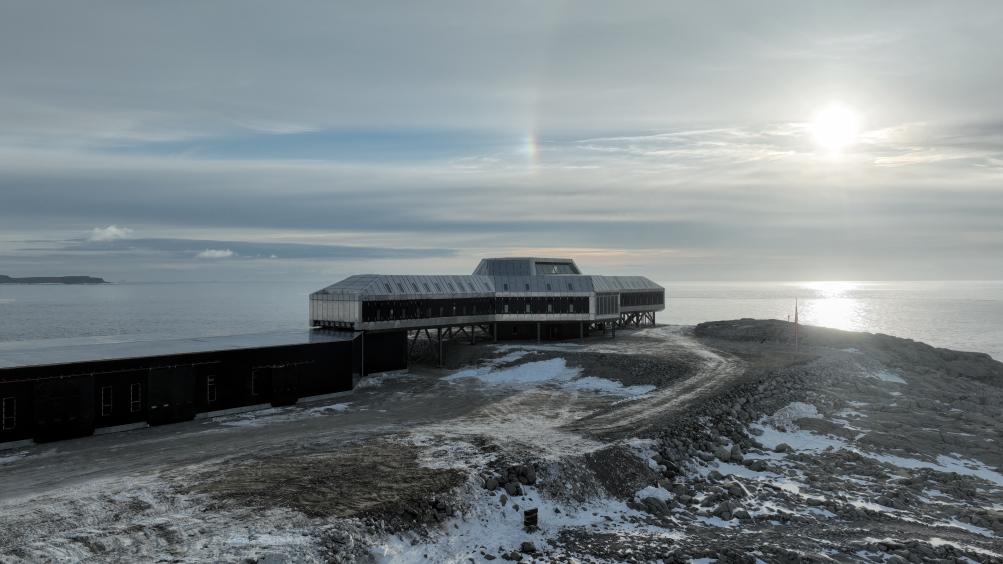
52	280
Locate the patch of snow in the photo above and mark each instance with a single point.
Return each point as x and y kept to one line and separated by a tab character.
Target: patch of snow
377	380
655	492
968	527
886	376
714	521
799	440
787	415
12	458
325	409
805	440
530	373
279	415
850	413
820	512
499	528
604	386
870	505
937	541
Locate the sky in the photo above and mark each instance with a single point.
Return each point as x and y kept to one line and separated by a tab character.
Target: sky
236	140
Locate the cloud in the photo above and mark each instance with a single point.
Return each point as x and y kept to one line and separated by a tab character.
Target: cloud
110	233
215	254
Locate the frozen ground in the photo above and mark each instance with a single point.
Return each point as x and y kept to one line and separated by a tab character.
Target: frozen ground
666	444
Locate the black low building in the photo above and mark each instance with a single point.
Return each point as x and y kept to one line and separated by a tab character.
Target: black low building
66	388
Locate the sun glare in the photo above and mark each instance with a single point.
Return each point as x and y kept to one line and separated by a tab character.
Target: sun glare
836	127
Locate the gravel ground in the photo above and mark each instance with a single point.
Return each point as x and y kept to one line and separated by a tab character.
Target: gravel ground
712	443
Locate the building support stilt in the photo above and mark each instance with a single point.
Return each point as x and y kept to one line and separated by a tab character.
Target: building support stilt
494	332
537	332
581	331
438	331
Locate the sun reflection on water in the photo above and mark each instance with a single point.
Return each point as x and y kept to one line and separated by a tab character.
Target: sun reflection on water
831	304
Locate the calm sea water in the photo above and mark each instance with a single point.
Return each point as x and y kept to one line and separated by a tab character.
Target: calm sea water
959	315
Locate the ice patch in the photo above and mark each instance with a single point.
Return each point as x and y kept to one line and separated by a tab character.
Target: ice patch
604	386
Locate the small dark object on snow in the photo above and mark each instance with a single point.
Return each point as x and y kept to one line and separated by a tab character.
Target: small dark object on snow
527	548
530	519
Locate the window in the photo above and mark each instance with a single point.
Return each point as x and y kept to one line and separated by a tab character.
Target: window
427	289
550	308
389	289
506	287
505	308
135	397
105	401
527	308
210	389
415	286
571	308
548	286
401	288
569	286
9	413
527	287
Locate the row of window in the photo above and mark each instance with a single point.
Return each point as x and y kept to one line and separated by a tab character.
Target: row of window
412	287
8	414
642	299
607	304
135	399
393	310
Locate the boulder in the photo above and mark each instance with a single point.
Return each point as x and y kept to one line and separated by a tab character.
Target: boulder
736	454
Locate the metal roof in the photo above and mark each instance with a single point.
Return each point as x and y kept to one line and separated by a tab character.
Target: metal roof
409	286
493	275
16	354
526	266
621	283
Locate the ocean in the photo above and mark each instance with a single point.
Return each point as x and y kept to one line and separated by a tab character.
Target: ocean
958	315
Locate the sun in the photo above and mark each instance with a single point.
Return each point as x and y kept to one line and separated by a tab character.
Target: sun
836	127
